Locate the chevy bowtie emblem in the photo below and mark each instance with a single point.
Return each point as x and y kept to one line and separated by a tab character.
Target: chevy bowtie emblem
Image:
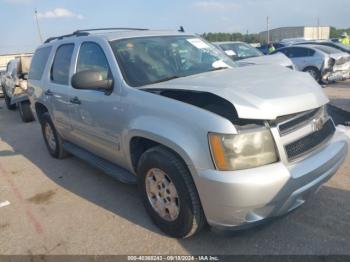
317	124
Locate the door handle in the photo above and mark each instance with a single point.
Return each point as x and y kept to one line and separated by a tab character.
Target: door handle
48	92
75	100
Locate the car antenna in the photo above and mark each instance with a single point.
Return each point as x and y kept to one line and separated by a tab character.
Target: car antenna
182	30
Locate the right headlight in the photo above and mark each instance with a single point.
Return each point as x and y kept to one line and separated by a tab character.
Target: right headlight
242	151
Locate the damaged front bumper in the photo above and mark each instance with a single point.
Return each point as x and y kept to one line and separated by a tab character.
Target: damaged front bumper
240	199
336	76
338	73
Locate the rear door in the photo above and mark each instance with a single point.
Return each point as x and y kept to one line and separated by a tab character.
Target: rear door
59	88
94	113
37	78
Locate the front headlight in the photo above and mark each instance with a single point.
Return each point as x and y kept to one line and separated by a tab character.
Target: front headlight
242	151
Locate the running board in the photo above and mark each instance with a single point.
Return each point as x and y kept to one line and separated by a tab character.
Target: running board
107	167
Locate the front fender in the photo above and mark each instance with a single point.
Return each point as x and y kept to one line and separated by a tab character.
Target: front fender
193	149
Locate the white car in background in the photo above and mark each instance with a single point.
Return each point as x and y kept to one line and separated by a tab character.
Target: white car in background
244	54
325	64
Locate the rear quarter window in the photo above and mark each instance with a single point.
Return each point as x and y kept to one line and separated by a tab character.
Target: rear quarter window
39	62
295	52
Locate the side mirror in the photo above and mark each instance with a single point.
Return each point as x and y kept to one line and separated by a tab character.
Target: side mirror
91	79
230	53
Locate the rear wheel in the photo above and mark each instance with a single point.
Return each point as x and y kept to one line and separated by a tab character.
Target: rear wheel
314	72
25	112
53	140
169	194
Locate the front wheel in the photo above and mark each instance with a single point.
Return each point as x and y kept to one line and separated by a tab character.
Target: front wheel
314	72
25	112
169	194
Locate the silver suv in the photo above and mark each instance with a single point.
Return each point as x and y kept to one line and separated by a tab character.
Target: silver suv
206	142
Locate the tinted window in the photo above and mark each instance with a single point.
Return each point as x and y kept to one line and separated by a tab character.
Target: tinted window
295	52
38	63
61	64
92	57
283	51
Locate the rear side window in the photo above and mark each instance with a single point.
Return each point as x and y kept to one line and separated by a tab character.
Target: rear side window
39	63
92	57
61	64
300	52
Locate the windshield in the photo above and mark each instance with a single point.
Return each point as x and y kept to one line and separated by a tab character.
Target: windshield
147	60
242	50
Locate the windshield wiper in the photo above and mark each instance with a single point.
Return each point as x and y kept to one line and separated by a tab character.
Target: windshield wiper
165	79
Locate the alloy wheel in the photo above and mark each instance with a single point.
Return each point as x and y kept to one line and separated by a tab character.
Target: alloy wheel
162	194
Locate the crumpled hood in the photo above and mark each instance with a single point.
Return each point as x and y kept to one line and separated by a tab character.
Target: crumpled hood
275	59
257	92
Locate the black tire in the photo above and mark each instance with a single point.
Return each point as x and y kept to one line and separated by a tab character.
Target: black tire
25	111
57	151
314	72
190	217
8	101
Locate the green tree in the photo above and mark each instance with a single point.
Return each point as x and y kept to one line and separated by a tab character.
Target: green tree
220	37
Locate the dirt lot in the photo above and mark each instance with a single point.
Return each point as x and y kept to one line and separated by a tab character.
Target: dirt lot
68	207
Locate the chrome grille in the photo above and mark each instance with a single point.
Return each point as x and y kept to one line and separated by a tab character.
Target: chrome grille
287	124
309	142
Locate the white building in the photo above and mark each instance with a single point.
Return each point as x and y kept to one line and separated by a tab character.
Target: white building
5	58
306	32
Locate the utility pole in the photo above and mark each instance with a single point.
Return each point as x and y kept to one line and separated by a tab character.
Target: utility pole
38	26
318	28
267	30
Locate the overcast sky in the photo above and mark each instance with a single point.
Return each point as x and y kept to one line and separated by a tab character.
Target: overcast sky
18	30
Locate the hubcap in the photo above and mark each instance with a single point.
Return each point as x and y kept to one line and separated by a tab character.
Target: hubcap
162	194
50	138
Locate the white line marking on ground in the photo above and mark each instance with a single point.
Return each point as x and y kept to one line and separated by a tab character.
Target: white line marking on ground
5	203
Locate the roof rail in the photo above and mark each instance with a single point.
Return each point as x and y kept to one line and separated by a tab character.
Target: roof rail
85	32
63	36
111	29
